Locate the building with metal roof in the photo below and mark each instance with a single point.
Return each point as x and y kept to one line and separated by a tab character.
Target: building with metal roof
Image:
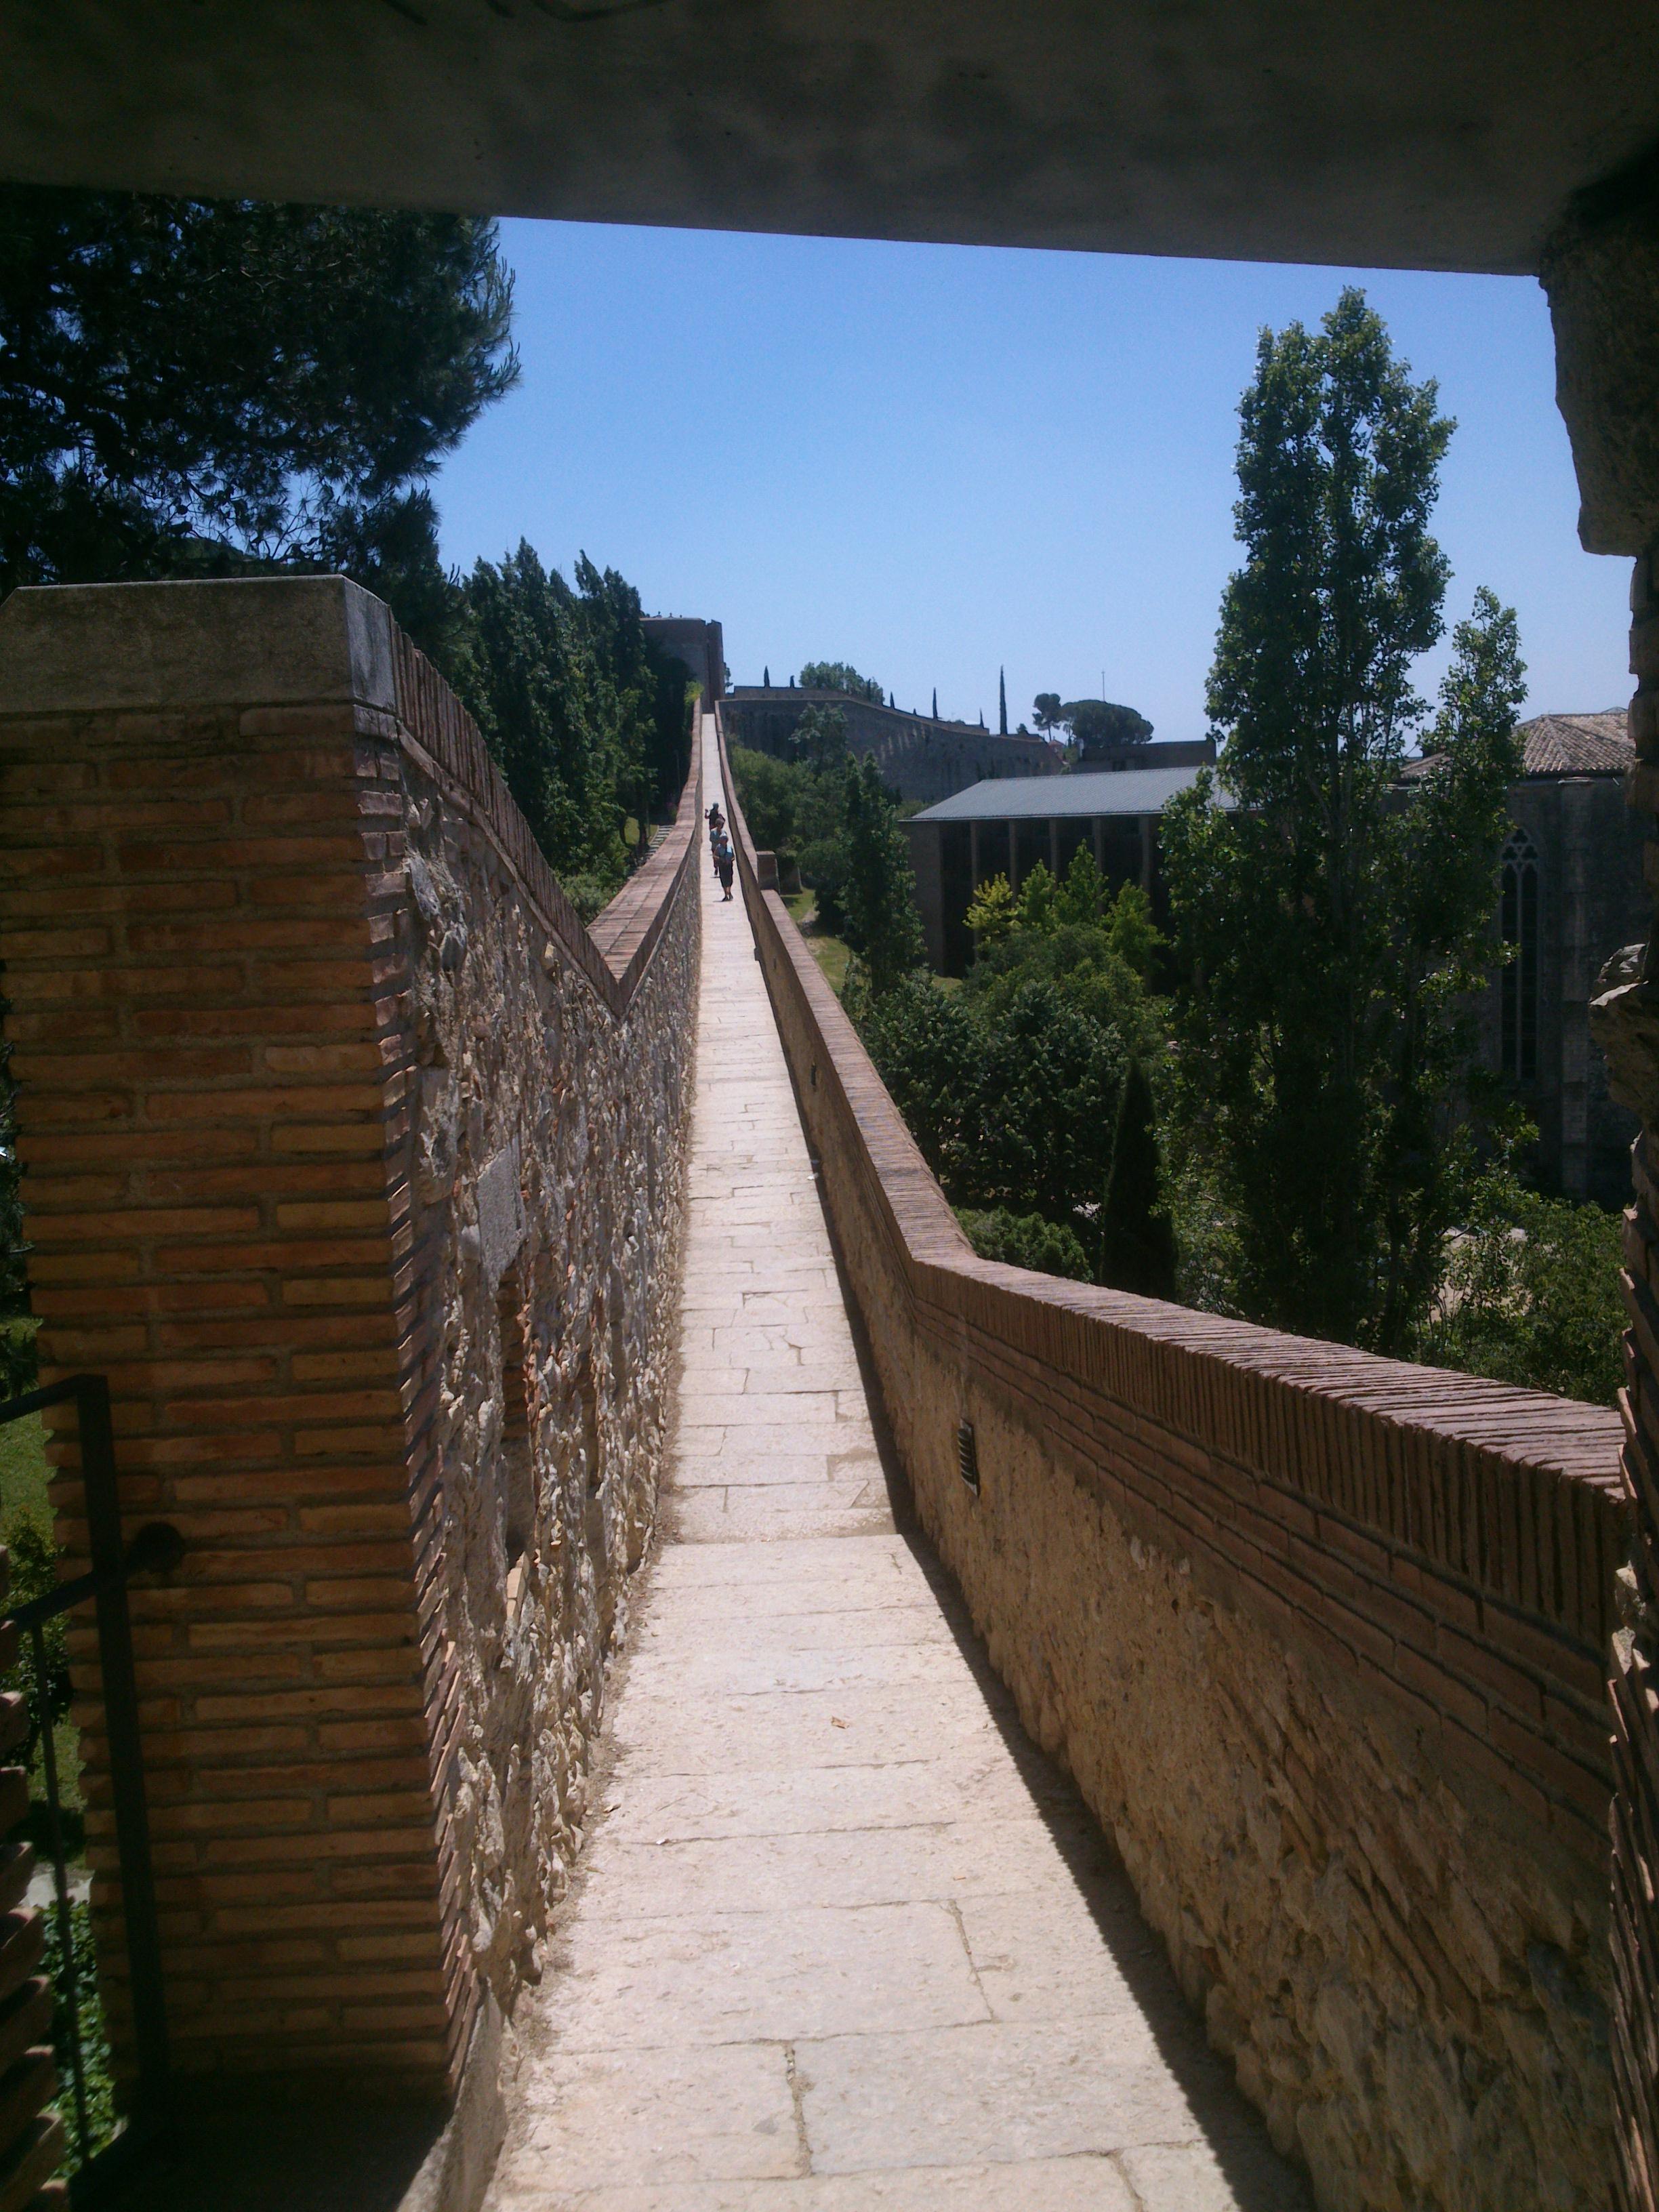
1004	826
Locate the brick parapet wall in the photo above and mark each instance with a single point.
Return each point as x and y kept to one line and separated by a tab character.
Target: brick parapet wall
1227	1571
225	997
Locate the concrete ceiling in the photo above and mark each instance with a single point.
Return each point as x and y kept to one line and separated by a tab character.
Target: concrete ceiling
1428	133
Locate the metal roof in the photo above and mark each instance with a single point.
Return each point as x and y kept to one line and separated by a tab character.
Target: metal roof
1044	798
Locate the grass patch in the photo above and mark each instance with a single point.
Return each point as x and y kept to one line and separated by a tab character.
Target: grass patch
23	1474
831	954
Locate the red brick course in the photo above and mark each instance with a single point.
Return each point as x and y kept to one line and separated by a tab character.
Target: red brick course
198	916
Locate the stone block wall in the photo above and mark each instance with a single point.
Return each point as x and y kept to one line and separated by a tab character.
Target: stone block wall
1319	1635
356	1162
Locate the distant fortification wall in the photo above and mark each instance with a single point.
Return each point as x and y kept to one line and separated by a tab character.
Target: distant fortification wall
356	1164
919	758
1320	1636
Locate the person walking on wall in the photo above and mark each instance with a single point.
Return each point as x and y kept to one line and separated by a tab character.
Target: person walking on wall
723	858
716	833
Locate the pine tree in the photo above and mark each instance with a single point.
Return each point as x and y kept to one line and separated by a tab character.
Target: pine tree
317	365
1137	1244
1002	701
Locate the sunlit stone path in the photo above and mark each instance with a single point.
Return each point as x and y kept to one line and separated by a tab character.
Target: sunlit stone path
842	1940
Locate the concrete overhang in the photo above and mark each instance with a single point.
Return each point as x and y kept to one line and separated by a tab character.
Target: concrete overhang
1436	134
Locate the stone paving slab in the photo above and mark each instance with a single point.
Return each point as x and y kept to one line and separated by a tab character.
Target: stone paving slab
841	1940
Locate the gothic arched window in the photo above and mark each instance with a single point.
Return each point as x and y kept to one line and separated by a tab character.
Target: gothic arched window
1518	983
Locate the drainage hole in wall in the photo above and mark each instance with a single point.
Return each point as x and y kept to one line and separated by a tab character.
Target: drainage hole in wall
968	1457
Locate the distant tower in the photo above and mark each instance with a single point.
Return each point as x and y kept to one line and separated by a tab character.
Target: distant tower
936	702
1002	701
765	679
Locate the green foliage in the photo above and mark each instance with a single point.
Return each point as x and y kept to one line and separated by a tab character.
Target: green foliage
1047	712
831	814
34	1574
1137	1240
1037	902
840	676
587	719
1026	1240
819	739
1096	724
1531	1294
97	2072
877	900
993	912
1088	973
201	387
1326	929
1081	900
1011	1090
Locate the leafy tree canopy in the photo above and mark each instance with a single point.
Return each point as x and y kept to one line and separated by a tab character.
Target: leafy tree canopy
841	676
1026	1240
1098	724
1531	1294
1329	929
202	386
586	716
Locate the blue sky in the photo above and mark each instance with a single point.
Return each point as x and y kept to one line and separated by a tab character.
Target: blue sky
934	460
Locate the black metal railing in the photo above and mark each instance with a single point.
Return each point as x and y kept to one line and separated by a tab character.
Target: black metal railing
156	1548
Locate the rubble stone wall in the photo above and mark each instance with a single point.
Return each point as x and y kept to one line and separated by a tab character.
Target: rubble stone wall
1320	1636
356	1164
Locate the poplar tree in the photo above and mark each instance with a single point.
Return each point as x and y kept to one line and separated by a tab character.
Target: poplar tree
1329	920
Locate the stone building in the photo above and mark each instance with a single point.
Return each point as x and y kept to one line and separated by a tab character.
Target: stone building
1572	893
919	756
700	644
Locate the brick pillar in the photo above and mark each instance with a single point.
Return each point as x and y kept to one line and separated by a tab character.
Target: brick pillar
200	831
1602	274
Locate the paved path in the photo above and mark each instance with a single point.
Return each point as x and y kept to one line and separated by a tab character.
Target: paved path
842	1939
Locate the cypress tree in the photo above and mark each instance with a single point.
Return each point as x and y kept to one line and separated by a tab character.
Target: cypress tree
765	679
1137	1242
1002	701
936	702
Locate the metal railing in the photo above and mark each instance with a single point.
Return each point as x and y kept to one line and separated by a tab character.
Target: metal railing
156	1548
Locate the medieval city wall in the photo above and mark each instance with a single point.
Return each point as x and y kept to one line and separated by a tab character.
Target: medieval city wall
1320	1636
919	758
356	1164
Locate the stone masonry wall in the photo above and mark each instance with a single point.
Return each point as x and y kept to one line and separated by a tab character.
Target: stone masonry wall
1320	1636
356	1162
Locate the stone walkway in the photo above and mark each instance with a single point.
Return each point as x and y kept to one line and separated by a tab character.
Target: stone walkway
841	1939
